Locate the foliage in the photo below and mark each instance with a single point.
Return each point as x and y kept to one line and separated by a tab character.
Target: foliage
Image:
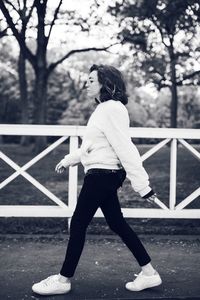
60	92
151	26
147	27
189	111
9	92
189	108
163	37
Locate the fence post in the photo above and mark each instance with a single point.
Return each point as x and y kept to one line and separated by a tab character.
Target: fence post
173	169
73	178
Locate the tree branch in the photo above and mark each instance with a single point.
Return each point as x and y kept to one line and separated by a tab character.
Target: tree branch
19	4
12	5
3	32
52	66
27	53
54	19
156	23
30	12
161	83
188	76
182	54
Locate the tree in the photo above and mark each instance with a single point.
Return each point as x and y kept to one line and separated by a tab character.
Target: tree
61	89
189	107
38	60
24	12
154	29
9	92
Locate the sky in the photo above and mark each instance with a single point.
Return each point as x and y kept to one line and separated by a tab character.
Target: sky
98	36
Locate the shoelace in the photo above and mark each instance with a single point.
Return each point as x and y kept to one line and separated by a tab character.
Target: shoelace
136	275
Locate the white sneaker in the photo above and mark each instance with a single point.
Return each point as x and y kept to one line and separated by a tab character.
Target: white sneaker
51	286
143	282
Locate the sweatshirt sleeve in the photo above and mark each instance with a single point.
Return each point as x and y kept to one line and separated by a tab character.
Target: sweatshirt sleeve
116	130
72	159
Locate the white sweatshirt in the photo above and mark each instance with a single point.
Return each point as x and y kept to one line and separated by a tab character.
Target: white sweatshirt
107	145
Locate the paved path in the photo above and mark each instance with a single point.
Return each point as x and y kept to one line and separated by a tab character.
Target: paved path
104	268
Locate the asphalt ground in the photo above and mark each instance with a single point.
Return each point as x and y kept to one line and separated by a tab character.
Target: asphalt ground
104	268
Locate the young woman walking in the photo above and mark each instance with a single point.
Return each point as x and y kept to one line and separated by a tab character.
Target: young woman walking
108	156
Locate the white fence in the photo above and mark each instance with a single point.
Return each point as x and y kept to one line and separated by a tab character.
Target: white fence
171	136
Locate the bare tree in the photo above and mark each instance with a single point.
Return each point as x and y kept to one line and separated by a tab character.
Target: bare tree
39	60
24	12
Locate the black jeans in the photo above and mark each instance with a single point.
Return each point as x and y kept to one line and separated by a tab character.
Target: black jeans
100	190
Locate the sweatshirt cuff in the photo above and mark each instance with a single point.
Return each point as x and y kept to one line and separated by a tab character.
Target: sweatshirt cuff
151	193
145	191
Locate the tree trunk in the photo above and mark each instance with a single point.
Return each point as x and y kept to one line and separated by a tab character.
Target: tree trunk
174	94
41	75
40	97
23	95
174	99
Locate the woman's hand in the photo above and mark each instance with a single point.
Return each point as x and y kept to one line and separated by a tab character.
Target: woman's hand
154	199
60	168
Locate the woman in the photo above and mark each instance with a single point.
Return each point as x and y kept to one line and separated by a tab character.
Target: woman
108	155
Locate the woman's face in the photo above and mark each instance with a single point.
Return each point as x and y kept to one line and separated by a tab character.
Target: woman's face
93	86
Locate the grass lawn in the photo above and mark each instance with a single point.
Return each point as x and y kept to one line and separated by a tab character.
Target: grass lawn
21	192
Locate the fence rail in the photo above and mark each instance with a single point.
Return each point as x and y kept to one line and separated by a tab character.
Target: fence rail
167	136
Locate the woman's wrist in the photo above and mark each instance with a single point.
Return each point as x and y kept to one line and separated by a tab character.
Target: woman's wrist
145	191
149	194
65	162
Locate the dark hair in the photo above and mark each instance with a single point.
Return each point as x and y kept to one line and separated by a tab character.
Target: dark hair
113	86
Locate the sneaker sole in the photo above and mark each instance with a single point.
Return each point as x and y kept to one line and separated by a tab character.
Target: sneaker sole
48	294
148	287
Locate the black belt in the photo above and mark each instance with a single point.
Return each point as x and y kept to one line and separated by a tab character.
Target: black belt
102	171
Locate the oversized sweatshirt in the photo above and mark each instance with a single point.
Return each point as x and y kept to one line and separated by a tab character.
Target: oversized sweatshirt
107	144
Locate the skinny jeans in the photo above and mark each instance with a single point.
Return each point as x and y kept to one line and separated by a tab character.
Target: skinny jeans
100	191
